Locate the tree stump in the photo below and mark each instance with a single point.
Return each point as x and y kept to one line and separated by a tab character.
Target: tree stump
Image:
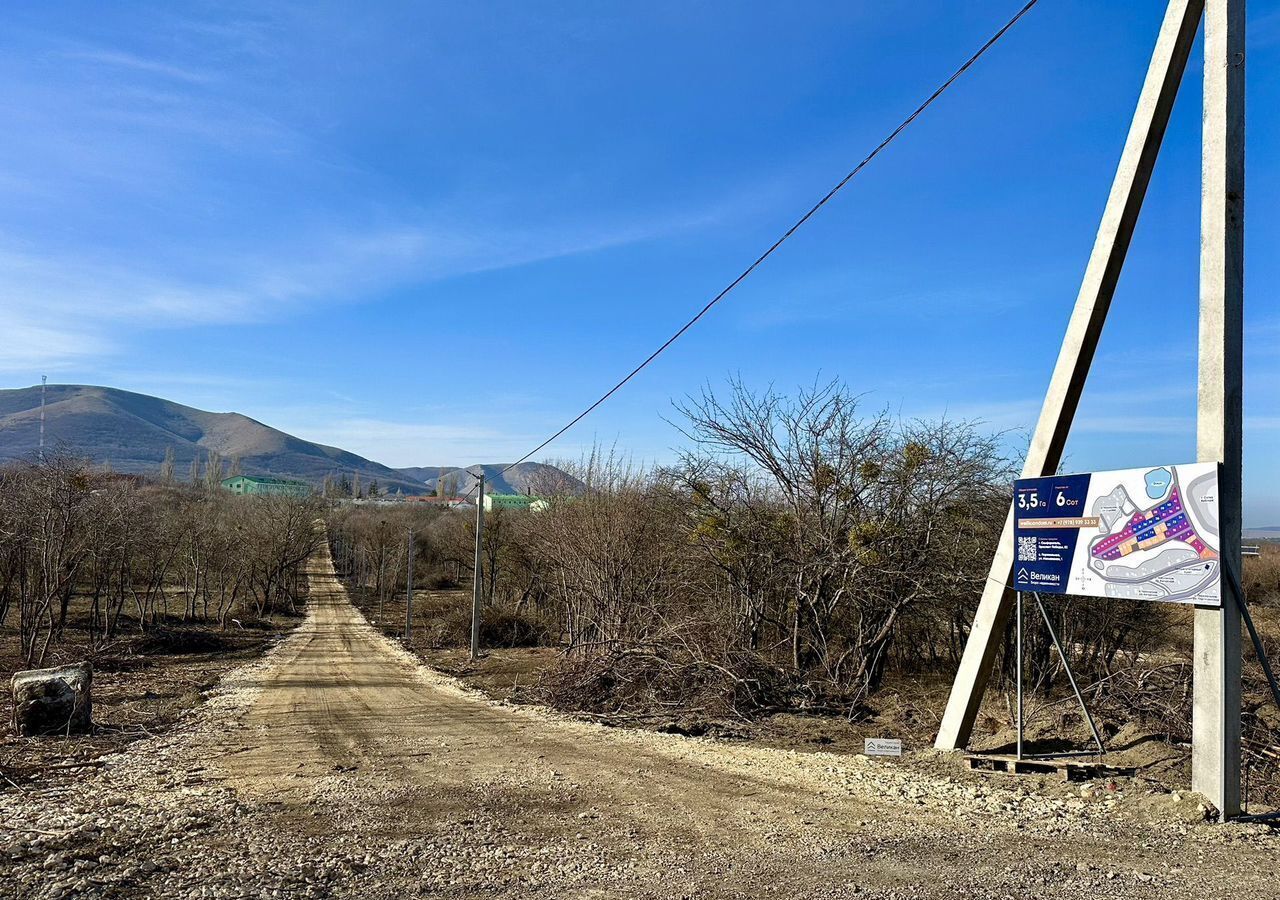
53	701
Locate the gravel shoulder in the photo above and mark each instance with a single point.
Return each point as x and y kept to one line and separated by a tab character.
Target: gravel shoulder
339	766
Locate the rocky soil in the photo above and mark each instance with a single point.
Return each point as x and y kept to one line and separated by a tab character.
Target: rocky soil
143	684
338	767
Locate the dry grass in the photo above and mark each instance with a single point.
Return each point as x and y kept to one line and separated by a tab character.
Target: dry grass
143	682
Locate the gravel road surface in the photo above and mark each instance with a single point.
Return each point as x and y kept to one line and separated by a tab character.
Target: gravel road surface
338	766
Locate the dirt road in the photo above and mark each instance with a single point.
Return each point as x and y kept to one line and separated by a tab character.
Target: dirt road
339	767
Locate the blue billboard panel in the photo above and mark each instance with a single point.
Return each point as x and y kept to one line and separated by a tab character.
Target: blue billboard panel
1146	534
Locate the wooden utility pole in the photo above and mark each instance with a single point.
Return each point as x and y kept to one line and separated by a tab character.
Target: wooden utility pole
1215	718
477	580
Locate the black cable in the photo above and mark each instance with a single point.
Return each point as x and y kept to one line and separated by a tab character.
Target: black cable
790	231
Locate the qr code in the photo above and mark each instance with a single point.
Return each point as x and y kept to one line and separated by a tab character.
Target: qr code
1026	549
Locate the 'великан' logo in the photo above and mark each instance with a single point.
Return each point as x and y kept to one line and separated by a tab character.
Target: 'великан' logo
1087	534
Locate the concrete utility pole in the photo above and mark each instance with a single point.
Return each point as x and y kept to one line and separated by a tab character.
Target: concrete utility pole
408	594
477	580
382	574
1215	718
1215	764
1128	190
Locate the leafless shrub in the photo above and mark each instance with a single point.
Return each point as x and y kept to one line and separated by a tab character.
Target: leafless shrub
792	556
839	532
141	554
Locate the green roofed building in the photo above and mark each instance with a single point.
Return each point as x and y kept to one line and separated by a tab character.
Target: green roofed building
513	501
260	486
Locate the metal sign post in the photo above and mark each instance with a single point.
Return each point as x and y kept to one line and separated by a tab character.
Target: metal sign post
1066	665
1018	668
477	580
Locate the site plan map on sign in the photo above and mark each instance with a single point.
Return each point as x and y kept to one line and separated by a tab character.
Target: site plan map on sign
1143	534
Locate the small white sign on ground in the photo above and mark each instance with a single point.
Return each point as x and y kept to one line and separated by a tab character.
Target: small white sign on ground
882	747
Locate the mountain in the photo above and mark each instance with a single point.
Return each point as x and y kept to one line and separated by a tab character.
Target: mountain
132	431
523	478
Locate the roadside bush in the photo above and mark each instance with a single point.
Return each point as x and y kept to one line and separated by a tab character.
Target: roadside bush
448	628
164	640
816	547
664	681
451	627
507	628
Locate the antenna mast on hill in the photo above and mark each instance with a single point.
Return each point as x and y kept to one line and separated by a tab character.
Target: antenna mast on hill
44	380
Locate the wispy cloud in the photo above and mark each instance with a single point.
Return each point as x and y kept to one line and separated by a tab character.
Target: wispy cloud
130	62
60	309
403	443
270	282
32	346
148	188
85	290
143	156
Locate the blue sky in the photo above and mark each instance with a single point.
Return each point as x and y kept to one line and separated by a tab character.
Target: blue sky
432	232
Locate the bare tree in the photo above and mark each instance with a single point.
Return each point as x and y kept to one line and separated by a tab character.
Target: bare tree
126	550
166	467
213	470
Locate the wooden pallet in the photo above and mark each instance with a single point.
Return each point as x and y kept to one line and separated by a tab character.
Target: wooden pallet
1063	769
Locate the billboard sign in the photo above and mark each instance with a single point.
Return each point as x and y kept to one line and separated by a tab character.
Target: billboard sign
1142	534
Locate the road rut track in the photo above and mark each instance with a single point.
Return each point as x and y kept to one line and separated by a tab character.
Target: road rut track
339	766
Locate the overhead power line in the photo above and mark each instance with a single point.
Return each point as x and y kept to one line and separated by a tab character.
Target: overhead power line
991	42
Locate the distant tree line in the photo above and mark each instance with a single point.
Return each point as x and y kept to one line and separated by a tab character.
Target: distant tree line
211	476
342	486
111	554
370	547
